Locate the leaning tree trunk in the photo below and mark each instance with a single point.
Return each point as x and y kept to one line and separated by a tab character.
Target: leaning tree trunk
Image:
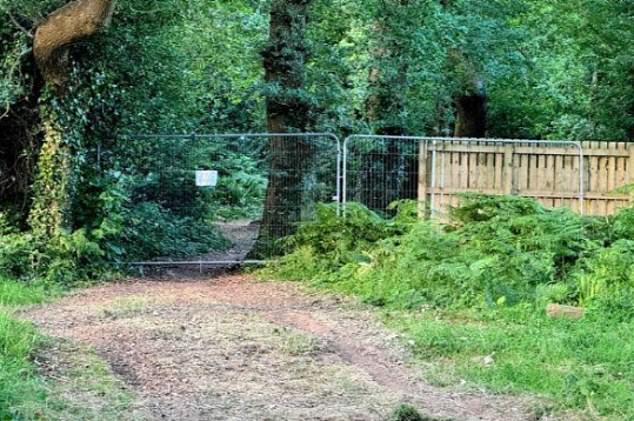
57	166
69	24
287	110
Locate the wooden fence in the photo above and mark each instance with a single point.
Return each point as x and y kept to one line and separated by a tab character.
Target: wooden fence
550	174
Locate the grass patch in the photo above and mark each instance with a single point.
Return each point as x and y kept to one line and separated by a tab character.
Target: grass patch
587	364
300	344
81	386
20	386
13	293
85	387
126	307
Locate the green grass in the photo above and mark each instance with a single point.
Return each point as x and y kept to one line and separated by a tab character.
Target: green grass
587	365
14	293
20	387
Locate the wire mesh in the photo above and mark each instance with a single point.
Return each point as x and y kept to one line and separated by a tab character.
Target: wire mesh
266	185
435	171
379	170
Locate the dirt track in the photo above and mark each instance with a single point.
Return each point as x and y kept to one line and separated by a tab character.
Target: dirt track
235	349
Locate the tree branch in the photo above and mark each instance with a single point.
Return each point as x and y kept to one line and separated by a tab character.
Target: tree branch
67	25
20	27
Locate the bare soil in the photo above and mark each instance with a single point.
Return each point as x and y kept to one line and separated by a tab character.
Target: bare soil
232	348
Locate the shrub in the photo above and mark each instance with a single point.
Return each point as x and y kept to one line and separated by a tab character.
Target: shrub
623	224
608	276
494	251
339	240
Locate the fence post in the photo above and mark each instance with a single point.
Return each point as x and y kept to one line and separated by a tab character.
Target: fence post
422	179
508	169
630	164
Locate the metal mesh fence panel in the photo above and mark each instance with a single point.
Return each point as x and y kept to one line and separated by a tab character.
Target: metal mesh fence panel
217	199
379	170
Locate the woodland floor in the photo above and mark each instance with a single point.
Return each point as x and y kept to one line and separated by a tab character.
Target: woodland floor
231	348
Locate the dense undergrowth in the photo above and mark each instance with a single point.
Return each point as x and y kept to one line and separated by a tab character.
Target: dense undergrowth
471	292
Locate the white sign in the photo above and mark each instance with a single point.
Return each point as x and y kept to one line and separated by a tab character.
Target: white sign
206	178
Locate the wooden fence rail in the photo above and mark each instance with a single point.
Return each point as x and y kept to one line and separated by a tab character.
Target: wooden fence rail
550	174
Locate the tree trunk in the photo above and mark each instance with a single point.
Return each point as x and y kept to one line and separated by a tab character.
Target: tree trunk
287	111
469	98
470	115
57	163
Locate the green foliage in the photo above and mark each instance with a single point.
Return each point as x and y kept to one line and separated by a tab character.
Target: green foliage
154	231
575	83
607	280
18	382
329	241
494	252
14	293
65	258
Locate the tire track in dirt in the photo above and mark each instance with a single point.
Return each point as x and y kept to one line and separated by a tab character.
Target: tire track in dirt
234	349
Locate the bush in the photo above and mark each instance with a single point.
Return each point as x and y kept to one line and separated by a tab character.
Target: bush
622	224
64	259
608	275
493	251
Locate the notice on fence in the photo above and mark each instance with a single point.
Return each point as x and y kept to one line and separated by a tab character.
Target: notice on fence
206	178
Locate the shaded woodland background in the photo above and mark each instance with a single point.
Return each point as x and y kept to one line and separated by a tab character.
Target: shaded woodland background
77	77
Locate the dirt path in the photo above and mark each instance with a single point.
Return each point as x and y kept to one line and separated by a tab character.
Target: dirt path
234	349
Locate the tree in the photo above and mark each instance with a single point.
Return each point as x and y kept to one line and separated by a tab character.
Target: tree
69	24
32	121
288	109
390	172
58	165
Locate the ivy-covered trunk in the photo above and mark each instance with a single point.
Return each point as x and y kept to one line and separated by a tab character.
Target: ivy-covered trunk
52	190
287	110
58	160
